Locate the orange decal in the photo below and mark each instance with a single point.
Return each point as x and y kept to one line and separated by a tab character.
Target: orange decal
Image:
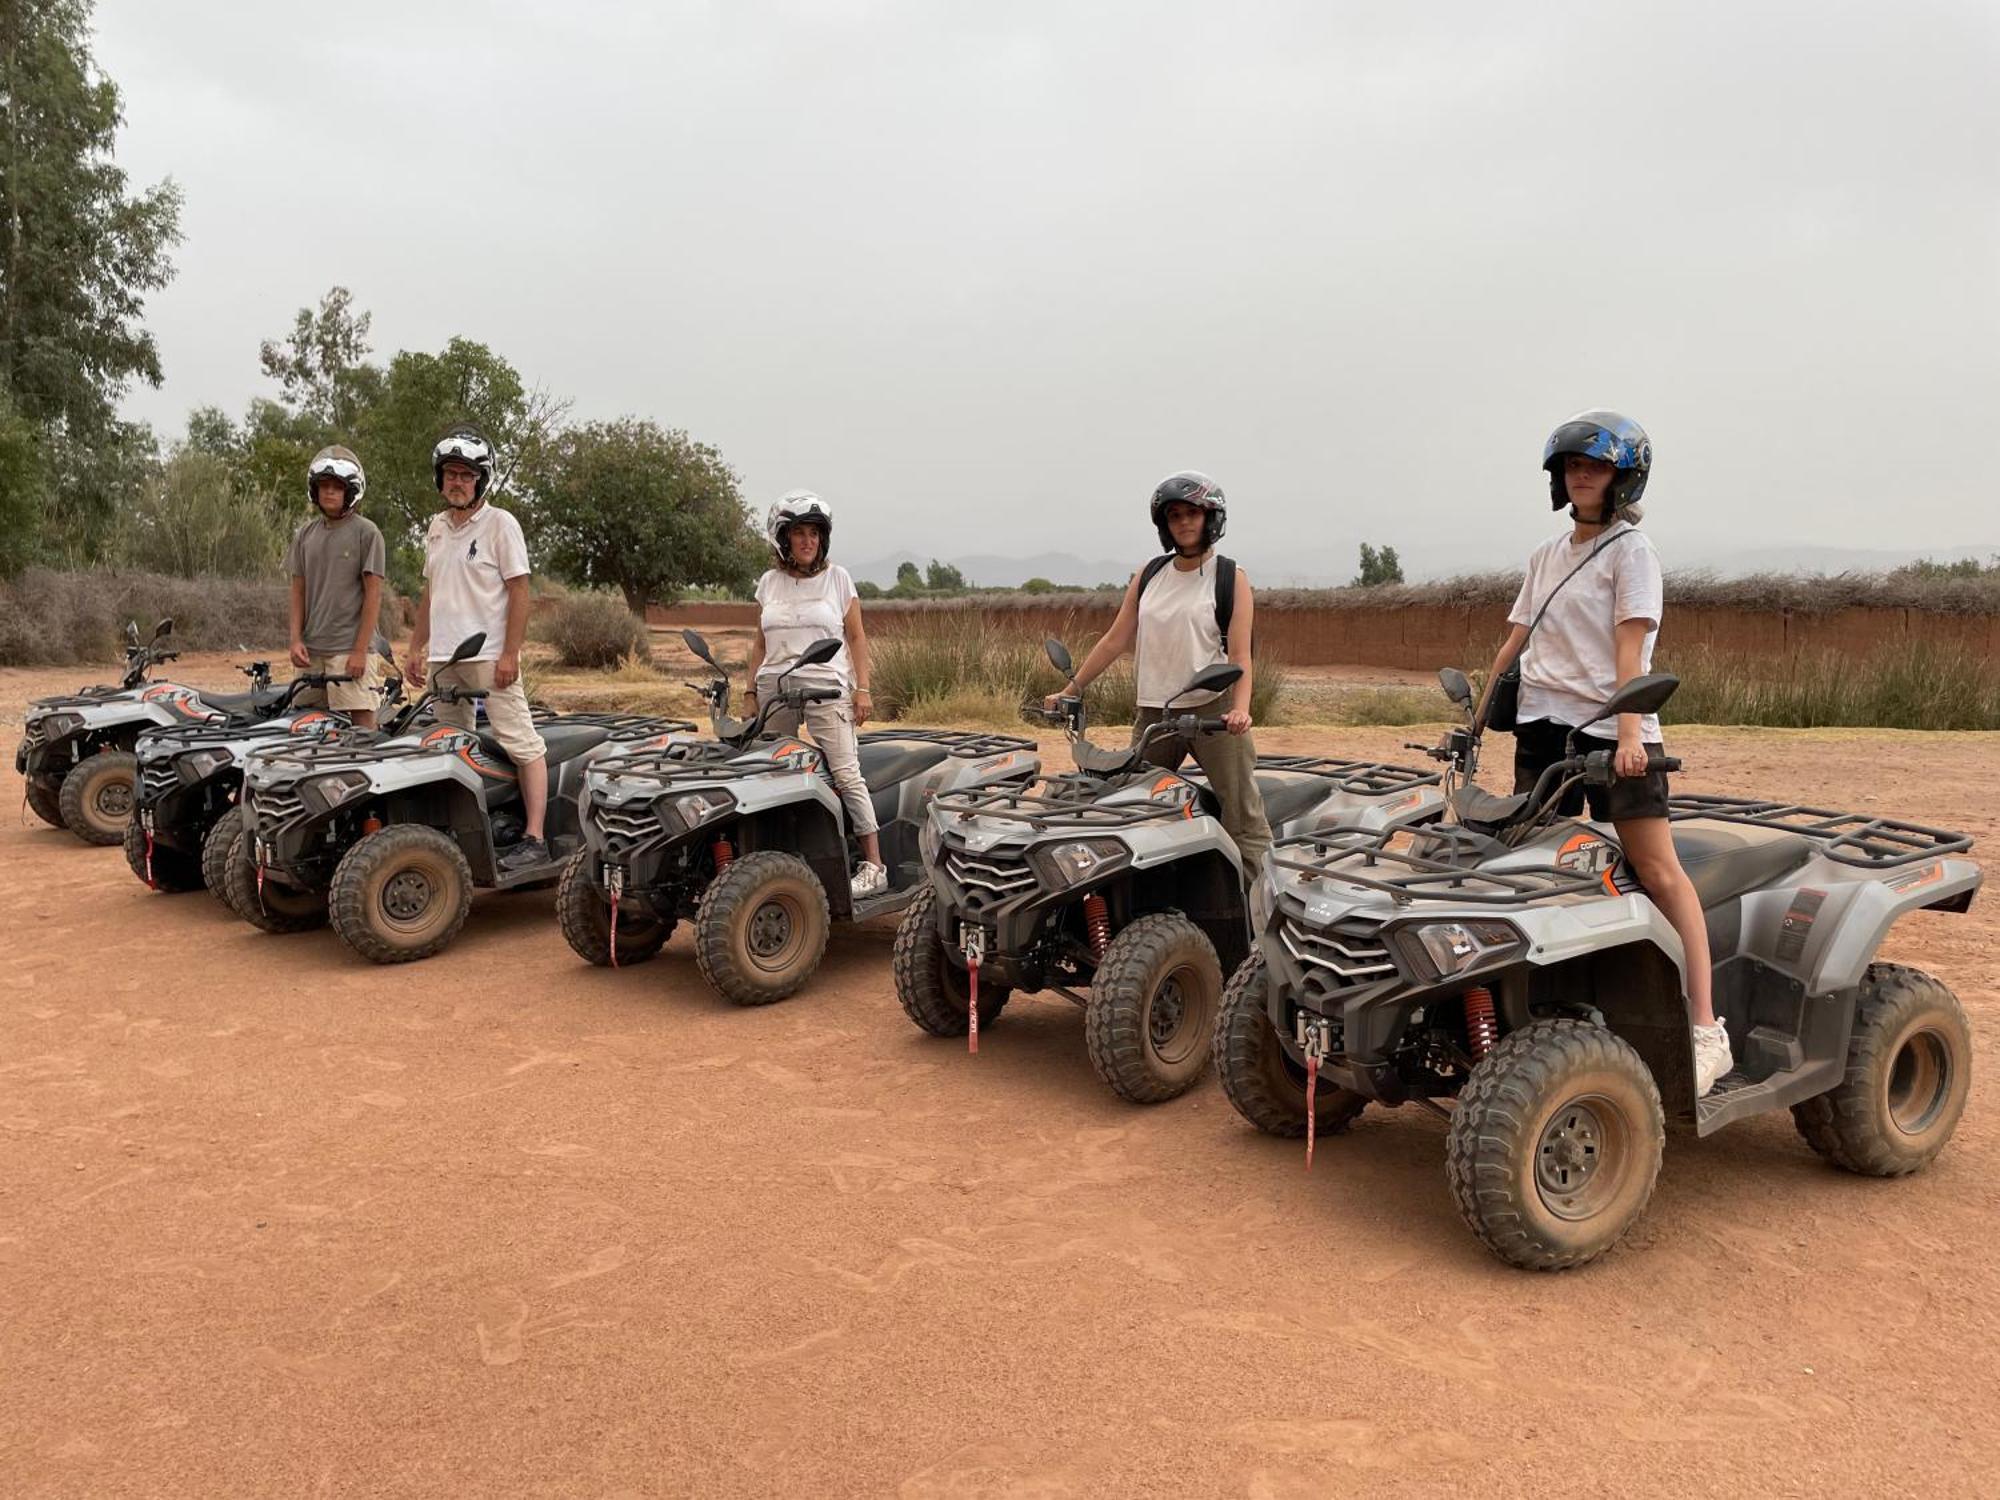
304	719
465	754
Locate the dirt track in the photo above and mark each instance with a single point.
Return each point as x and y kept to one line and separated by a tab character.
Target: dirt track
274	1221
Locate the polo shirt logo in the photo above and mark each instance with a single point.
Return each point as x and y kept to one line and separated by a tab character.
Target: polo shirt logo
473	550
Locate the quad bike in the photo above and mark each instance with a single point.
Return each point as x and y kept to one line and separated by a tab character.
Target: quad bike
387	837
1507	960
755	849
1118	888
76	751
190	776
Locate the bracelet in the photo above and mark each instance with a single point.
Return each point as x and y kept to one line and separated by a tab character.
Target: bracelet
869	691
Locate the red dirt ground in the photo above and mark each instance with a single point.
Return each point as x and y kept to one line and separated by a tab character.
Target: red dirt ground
275	1221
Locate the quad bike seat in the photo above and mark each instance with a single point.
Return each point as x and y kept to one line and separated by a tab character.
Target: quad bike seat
244	705
1100	761
1288	798
885	763
1724	860
1475	804
565	741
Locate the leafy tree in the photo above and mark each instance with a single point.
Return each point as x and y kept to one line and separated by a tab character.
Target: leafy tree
1038	586
1377	567
322	365
192	519
78	255
908	576
90	482
867	588
641	509
23	482
941	578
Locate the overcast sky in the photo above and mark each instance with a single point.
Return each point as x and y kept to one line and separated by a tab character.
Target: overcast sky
981	274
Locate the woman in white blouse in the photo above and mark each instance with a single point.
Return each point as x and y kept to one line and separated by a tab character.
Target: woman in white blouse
805	598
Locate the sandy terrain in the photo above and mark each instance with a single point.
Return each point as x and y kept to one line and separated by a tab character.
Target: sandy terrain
277	1222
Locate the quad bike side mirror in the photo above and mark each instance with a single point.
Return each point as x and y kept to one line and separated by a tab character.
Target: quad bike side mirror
1059	657
1642	695
823	650
131	632
1457	686
1211	679
468	648
692	639
164	629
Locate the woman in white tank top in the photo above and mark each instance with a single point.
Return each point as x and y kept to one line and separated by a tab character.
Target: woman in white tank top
1169	619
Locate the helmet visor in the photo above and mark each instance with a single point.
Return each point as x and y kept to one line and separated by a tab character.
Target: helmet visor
334	468
1589	440
466	450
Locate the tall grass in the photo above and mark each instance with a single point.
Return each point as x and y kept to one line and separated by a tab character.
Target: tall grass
1913	685
948	666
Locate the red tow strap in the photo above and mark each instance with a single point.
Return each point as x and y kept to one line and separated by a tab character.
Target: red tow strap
149	861
972	1006
1312	1117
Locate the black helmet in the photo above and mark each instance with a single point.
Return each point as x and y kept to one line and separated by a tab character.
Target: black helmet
339	463
1618	440
1190	487
464	444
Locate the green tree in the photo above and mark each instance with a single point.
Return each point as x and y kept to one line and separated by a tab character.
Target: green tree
942	578
1038	586
322	365
867	588
644	510
192	519
78	255
909	576
23	485
1377	567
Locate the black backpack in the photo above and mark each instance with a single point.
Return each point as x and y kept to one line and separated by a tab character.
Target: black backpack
1225	589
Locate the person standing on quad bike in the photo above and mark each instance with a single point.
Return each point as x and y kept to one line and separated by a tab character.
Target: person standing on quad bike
336	565
1592	601
806	598
1184	611
476	581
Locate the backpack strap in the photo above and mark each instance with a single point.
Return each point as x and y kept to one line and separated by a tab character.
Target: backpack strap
1152	570
1225	588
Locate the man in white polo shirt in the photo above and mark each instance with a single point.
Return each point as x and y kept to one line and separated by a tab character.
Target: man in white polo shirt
476	580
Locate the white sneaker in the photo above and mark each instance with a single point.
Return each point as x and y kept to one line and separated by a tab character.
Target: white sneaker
1712	1057
870	880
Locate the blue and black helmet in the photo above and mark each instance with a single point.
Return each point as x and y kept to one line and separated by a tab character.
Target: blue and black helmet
1618	440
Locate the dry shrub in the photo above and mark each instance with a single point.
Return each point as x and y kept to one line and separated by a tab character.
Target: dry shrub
593	631
51	618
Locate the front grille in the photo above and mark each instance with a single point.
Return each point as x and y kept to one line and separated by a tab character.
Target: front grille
156	779
270	808
33	738
989	881
1335	960
627	826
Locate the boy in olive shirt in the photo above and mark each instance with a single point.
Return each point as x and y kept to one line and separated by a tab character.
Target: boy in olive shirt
335	564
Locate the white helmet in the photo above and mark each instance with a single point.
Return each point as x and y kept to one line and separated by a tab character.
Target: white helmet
792	508
337	463
464	444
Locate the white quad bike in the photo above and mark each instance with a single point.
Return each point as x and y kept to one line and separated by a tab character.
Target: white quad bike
1505	969
76	751
1117	888
755	849
386	838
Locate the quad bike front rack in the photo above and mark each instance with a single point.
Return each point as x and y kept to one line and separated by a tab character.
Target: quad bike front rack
1370	858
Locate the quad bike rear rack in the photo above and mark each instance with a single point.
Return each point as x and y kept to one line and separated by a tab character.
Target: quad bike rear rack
1363	857
965	744
1041	810
1858	839
671	764
1360	778
349	748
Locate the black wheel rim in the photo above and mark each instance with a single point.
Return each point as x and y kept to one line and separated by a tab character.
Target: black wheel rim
114	799
407	896
1919	1082
775	931
1172	1028
1582	1157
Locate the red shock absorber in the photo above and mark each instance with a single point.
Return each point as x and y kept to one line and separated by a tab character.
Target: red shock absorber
1482	1030
1097	922
723	854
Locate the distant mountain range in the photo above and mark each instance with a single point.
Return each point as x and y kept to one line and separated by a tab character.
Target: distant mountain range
1332	565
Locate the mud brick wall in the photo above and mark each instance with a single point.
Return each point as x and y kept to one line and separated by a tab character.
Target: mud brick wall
1430	636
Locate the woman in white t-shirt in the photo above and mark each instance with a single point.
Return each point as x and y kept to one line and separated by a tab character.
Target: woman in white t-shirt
803	599
1596	633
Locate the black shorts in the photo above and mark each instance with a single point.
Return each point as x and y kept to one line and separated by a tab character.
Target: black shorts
1539	745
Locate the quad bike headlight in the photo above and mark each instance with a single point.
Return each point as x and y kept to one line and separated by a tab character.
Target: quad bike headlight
692	809
928	839
1263	896
324	793
1447	948
1074	861
60	726
199	765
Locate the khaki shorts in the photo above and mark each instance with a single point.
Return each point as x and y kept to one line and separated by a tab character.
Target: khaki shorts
507	712
364	696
